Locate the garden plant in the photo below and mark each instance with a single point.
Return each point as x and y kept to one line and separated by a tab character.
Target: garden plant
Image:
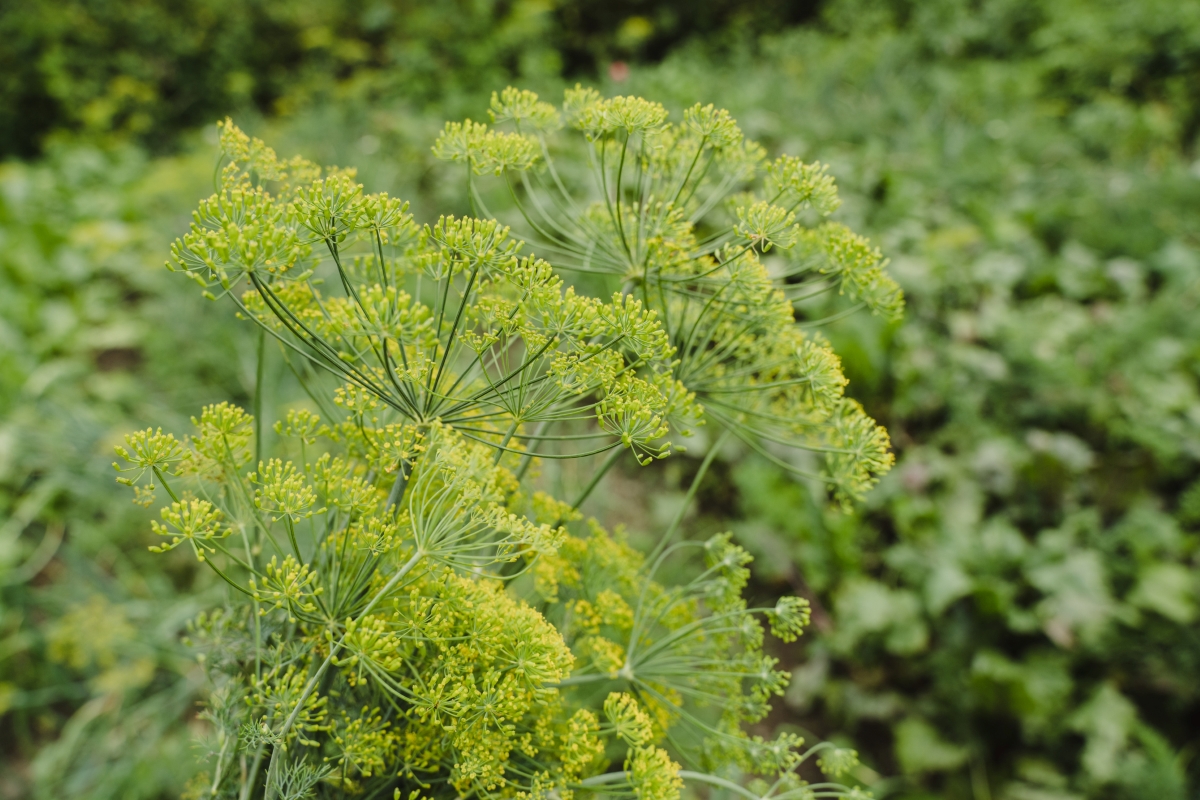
407	612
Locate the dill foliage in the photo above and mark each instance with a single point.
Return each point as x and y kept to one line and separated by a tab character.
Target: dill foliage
408	615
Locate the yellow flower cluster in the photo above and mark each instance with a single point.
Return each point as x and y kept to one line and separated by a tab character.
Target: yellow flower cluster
409	613
734	320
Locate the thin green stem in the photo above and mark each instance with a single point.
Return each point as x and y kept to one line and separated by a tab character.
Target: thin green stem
691	493
508	435
258	395
257	619
600	473
248	786
619	221
527	458
398	486
713	780
163	480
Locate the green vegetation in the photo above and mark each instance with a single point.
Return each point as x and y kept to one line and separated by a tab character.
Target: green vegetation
1011	613
1014	612
92	342
154	69
390	632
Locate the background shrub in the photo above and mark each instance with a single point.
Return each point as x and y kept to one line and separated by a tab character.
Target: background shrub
152	69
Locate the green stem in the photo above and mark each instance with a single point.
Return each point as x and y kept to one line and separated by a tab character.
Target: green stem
575	680
687	774
162	479
290	527
620	222
258	396
604	468
225	577
248	786
713	780
527	458
603	780
257	619
220	768
507	438
400	484
691	493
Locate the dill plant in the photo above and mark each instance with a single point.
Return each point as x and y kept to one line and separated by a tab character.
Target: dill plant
408	614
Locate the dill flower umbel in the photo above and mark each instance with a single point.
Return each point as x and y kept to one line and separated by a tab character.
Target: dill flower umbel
409	613
684	218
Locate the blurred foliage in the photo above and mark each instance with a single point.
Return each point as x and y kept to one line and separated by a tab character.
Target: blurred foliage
1014	613
593	34
152	69
1108	56
93	683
